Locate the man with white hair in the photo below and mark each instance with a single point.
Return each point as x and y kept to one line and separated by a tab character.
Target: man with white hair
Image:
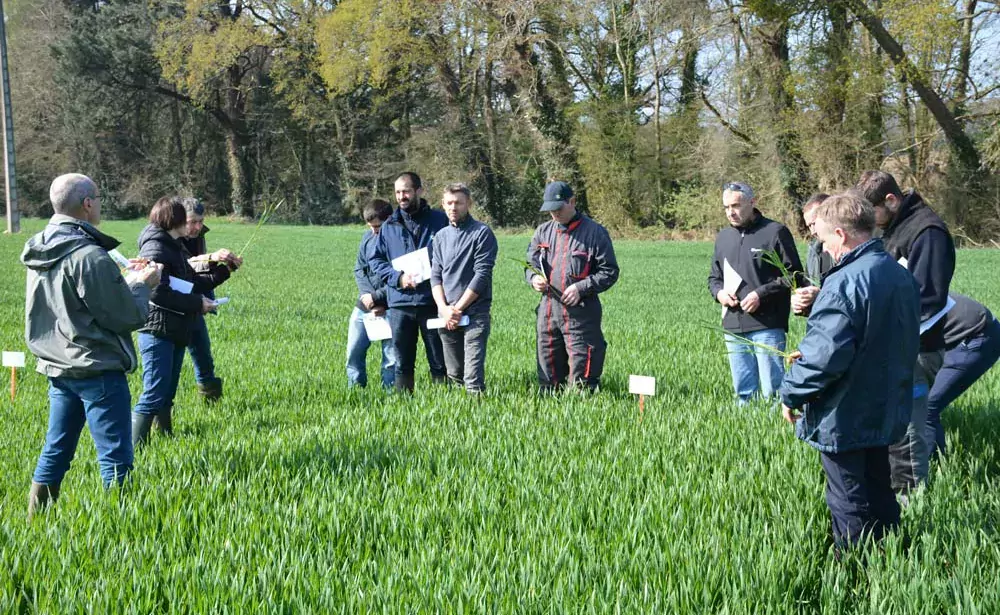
753	292
80	312
852	377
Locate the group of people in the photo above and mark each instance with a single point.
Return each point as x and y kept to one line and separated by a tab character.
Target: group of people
570	262
887	347
81	309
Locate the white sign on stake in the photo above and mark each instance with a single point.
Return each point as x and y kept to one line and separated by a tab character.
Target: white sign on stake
13	359
642	385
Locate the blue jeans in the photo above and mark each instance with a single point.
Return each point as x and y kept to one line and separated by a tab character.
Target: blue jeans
200	349
963	365
357	352
161	371
102	402
754	369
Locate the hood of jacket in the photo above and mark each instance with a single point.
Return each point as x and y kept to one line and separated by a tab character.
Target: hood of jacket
61	237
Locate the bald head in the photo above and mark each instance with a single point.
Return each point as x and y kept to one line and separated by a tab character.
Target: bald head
68	192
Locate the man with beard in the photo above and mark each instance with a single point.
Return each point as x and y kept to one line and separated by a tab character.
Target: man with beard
919	241
411	227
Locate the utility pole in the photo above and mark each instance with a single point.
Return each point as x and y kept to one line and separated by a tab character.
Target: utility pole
10	183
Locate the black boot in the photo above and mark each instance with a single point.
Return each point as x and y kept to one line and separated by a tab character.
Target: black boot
404	382
164	421
141	424
211	390
40	496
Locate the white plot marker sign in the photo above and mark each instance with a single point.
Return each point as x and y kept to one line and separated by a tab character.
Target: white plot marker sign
13	360
642	386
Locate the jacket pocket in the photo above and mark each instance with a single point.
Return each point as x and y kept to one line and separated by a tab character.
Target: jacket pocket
579	266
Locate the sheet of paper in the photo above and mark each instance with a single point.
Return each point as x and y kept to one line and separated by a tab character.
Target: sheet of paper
731	280
13	359
438	323
119	259
930	322
377	328
417	264
181	286
221	301
642	385
903	262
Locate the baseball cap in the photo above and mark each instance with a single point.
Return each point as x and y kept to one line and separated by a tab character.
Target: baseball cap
557	194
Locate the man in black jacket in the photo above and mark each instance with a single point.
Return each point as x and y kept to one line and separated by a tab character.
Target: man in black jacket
919	241
371	300
753	292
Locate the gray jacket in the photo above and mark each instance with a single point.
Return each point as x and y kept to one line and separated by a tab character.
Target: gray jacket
79	311
464	257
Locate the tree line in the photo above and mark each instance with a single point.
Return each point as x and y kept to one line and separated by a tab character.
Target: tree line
645	106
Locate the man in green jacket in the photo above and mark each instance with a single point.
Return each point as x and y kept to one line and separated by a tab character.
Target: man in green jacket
80	311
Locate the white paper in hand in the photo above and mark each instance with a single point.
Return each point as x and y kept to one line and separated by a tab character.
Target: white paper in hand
221	301
377	328
930	322
438	323
416	264
642	385
731	281
13	359
119	259
181	286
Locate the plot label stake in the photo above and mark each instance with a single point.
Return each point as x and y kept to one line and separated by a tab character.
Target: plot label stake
642	386
13	360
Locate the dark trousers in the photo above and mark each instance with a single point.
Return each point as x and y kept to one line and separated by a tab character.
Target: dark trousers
859	494
406	323
963	365
200	349
571	347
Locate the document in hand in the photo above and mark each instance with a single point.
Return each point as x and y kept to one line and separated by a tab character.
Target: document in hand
417	264
731	281
377	327
181	286
438	323
930	322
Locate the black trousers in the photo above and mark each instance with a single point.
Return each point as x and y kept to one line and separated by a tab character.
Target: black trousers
407	323
571	346
859	494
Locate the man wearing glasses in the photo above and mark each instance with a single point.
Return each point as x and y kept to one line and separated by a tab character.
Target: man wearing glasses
753	292
818	262
919	241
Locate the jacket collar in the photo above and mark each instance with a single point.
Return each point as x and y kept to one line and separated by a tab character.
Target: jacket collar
465	223
572	224
911	203
105	241
403	215
872	245
757	221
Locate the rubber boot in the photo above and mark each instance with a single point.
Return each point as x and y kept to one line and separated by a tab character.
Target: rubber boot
40	496
141	424
164	421
211	390
404	382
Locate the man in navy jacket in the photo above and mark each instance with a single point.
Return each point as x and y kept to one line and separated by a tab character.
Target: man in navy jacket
411	227
853	377
918	240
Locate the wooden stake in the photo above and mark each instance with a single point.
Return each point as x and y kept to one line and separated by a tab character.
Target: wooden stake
13	382
642	406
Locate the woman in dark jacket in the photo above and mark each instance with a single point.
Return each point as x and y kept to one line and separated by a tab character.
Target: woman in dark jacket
175	306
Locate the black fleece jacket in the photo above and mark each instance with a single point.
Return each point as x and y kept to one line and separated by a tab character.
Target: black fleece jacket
744	248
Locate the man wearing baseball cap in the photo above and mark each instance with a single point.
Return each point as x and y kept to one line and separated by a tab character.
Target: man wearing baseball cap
571	261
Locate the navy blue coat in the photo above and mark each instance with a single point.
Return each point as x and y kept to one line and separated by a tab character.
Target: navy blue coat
854	382
402	234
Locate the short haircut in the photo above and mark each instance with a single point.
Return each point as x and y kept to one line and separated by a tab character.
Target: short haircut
377	208
68	192
741	187
849	211
815	200
413	177
877	185
192	206
168	213
458	188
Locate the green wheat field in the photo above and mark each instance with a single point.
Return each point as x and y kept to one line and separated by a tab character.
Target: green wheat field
296	495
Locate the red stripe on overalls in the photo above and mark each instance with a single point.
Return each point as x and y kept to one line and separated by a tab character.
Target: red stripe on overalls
569	338
548	314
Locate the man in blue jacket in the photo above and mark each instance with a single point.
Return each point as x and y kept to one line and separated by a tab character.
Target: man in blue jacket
412	227
919	240
371	300
853	377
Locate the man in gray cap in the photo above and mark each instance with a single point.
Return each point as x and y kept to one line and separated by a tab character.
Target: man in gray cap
571	261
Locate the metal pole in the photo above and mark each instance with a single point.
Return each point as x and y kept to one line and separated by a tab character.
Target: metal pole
10	183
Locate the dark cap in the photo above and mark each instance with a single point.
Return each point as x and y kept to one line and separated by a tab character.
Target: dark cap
557	194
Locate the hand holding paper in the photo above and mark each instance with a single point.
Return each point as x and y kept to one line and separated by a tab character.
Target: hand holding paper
415	265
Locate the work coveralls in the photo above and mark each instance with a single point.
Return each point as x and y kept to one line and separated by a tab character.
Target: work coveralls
571	347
